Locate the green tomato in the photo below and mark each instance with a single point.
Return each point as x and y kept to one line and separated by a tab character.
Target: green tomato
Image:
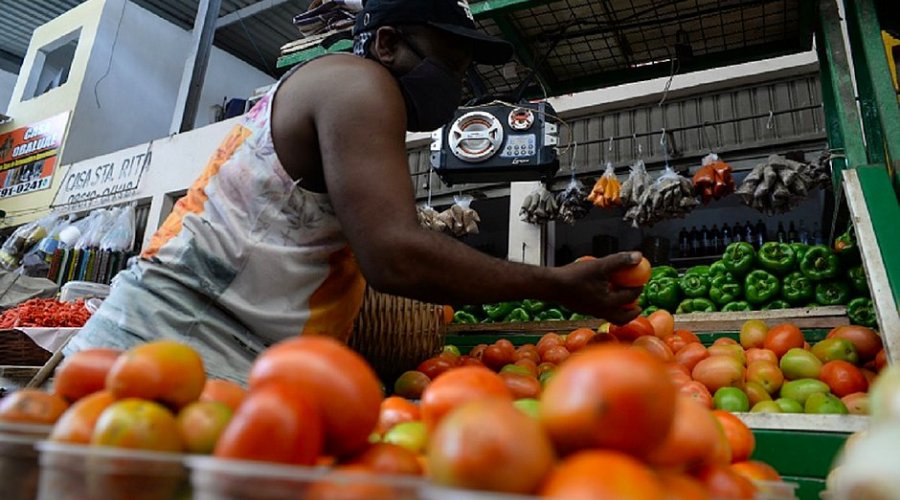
825	403
529	406
789	405
766	407
731	399
451	350
545	378
411	435
800	390
799	363
521	370
835	348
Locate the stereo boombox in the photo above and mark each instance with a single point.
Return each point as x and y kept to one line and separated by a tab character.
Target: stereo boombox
497	143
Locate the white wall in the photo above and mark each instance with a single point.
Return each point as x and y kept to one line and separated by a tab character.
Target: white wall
7	84
137	98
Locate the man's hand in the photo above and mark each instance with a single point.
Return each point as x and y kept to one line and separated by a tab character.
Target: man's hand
589	290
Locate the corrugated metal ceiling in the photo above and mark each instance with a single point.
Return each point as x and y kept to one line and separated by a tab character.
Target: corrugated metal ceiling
256	39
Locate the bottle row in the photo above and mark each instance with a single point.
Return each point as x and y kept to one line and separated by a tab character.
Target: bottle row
710	242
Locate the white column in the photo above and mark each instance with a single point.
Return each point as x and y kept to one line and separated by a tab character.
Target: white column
526	241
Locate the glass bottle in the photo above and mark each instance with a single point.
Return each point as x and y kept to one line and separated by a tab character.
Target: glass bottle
716	238
780	235
804	234
749	233
704	241
684	243
762	233
816	235
792	233
695	241
726	236
737	232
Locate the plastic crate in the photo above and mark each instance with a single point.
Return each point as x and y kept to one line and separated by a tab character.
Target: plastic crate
19	467
103	473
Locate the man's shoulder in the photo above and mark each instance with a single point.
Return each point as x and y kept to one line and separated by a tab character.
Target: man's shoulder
338	71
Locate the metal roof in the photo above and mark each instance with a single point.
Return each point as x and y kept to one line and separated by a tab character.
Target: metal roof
573	44
253	30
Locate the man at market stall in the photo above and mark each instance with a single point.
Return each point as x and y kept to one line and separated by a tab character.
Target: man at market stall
309	198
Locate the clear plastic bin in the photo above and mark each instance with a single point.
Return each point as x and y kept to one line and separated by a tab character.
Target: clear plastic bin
75	290
217	479
80	472
775	490
19	467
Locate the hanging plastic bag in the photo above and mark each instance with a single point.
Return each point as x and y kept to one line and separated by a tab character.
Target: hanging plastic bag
671	196
607	190
539	207
428	218
465	219
120	237
636	185
90	237
24	239
573	202
714	179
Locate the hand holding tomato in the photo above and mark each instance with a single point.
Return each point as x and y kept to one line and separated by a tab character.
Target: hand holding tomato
607	287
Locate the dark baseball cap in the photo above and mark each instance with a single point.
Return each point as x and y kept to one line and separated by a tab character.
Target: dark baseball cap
450	16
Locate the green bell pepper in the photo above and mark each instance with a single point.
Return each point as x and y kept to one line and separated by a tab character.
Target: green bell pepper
799	249
486	321
694	285
862	312
739	257
724	288
701	270
663	272
580	317
717	268
846	247
813	305
695	305
474	310
857	277
663	293
797	289
777	258
776	304
820	263
551	315
533	306
832	293
738	305
499	311
464	318
642	298
650	310
760	287
517	315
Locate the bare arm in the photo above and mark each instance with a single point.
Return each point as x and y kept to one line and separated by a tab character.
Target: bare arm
365	165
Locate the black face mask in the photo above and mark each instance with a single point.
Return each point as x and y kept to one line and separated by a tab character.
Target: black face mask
432	93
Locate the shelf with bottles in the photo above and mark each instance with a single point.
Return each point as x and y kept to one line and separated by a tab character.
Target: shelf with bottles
705	243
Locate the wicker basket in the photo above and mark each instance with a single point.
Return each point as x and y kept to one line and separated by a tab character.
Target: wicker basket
17	349
395	334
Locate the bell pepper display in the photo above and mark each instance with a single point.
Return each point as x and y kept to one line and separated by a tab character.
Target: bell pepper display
760	287
649	310
857	277
846	247
701	270
832	293
694	285
551	315
739	257
736	306
776	304
862	312
717	268
820	263
517	315
533	307
797	289
476	311
799	249
724	288
777	258
580	317
464	318
695	305
663	272
663	293
499	311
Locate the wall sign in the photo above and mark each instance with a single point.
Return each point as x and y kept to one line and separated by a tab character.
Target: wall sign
111	177
28	156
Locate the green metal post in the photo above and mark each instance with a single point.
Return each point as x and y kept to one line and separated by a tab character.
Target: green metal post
839	97
511	34
875	84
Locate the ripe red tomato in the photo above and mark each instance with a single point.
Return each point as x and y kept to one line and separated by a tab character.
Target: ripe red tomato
432	367
843	378
866	341
495	357
638	327
276	423
83	373
782	338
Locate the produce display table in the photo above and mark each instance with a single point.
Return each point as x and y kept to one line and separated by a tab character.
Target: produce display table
801	447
